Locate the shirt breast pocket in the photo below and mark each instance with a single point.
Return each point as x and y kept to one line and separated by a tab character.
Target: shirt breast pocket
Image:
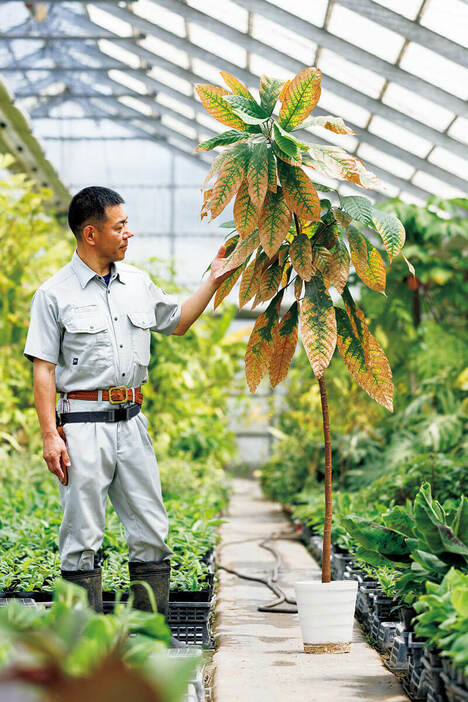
86	342
140	325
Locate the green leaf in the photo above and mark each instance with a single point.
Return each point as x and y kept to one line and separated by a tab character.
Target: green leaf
390	229
288	145
270	89
460	521
359	208
248	110
229	137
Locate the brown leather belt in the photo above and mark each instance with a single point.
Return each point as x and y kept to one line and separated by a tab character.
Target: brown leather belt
116	395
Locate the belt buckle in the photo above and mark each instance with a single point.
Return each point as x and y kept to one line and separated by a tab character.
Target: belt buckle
118	388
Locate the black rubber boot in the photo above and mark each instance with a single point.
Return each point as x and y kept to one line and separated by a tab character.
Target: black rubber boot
91	581
157	575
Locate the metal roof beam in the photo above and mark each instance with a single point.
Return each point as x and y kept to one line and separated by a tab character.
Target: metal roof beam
411	30
374	106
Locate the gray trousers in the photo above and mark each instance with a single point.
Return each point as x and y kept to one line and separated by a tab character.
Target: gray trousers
115	459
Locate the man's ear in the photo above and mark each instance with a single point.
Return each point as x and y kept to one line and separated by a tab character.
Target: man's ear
89	234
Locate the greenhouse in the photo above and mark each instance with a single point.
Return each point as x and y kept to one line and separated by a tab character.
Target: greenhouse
273	506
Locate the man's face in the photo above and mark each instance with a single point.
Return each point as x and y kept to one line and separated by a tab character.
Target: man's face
111	235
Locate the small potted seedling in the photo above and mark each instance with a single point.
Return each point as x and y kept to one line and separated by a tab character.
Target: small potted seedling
285	235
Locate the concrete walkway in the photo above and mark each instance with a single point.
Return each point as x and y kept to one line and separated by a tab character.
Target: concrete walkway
259	656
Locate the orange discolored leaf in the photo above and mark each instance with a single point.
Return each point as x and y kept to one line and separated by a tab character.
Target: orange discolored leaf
269	282
206	203
299	192
227	285
243	249
367	261
250	282
334	124
285	335
299	97
334	162
365	360
286	275
298	287
235	85
212	100
229	179
318	326
261	343
272	171
274	222
257	173
245	212
300	253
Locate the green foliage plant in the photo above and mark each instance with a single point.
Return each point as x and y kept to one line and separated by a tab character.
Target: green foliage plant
285	234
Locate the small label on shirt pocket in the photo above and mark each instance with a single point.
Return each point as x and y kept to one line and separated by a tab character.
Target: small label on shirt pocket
141	323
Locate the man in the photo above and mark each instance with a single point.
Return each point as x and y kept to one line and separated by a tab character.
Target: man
89	340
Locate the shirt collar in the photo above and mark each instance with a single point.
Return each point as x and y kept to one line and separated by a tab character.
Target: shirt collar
84	273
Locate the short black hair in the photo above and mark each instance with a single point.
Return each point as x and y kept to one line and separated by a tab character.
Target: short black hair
91	203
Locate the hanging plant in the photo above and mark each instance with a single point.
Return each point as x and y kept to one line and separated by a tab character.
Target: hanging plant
286	235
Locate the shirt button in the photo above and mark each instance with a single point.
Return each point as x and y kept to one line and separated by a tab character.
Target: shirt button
121	346
115	318
123	374
108	292
91	327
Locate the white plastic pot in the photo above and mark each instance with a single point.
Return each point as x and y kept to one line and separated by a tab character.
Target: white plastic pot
326	614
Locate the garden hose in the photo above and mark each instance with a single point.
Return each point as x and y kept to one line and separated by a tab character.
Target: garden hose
270	580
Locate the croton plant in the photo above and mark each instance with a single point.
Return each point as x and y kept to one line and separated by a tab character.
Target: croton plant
284	234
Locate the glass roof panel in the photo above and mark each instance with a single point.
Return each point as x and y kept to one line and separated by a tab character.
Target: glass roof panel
174	104
410	197
108	21
224	10
260	65
164	48
209	122
434	185
409	141
225	48
119	53
436	69
387	189
160	16
341	107
136	105
206	71
379	40
129	81
408	8
170	79
179	126
383	160
353	75
415	106
447	17
449	161
459	129
311	11
286	41
346	141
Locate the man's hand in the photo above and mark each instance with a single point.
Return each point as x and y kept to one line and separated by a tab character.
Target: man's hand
56	455
216	266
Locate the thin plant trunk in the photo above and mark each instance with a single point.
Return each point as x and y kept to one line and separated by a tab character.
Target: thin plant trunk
326	576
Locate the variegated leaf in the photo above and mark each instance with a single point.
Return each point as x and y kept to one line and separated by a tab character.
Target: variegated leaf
318	326
250	282
300	253
334	124
321	264
243	249
216	165
284	90
342	217
261	343
230	178
235	85
272	172
227	285
212	97
283	254
286	144
229	137
285	275
206	203
257	173
368	366
367	261
284	156
298	287
339	268
245	212
285	335
269	282
391	230
299	193
299	97
231	244
274	222
356	316
269	90
248	110
358	208
334	162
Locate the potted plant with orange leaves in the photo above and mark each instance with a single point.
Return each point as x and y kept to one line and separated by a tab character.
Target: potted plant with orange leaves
285	235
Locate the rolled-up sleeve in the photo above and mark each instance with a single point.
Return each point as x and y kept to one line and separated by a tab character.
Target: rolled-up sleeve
43	339
167	310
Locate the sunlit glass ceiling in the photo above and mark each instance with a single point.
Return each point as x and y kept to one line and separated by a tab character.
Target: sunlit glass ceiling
395	70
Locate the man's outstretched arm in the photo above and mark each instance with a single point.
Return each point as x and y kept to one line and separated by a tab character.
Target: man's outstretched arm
193	307
54	449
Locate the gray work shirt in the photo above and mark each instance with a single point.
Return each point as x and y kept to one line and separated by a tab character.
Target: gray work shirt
98	336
